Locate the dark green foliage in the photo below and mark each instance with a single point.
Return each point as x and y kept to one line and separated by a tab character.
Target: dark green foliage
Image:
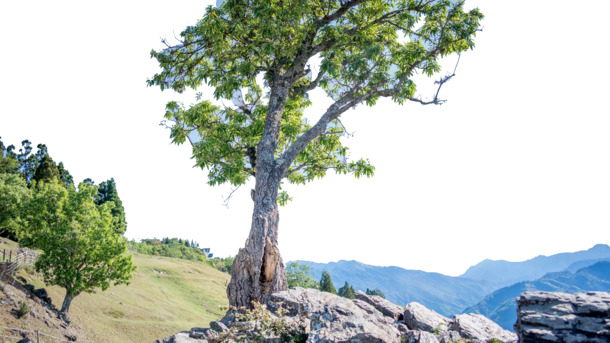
223	264
64	175
299	275
186	243
375	291
46	170
14	193
24	309
107	193
326	284
27	163
347	291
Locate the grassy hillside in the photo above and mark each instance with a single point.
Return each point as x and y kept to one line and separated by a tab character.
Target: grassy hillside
165	296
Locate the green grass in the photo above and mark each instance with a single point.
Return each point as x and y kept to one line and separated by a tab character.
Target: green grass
166	295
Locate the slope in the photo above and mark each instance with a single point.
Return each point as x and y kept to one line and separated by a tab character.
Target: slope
444	294
504	273
166	295
500	306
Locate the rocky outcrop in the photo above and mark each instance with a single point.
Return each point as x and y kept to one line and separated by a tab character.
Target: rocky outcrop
561	317
320	317
419	317
382	305
334	318
478	328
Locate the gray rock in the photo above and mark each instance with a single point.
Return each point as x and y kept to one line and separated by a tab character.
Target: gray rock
219	327
181	337
417	336
562	317
382	305
419	317
334	318
479	328
449	337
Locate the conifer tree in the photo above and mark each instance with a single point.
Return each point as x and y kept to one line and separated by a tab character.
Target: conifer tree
347	291
326	284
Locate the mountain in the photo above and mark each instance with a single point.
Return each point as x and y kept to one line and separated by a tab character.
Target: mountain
500	306
444	294
504	273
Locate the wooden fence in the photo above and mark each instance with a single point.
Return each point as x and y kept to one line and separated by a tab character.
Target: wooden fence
18	334
10	260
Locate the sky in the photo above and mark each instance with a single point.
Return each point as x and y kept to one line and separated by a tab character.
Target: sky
516	164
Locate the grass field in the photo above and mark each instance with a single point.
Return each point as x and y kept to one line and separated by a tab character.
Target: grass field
166	295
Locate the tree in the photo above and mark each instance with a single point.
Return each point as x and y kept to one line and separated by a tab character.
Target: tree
347	291
299	275
8	159
326	284
46	169
80	250
357	51
107	193
27	163
14	194
65	176
375	291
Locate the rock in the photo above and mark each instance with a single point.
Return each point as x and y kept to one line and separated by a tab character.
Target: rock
402	327
334	318
449	337
181	337
562	317
479	328
382	305
417	336
418	317
219	327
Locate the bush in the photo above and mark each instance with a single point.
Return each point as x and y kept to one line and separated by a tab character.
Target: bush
24	309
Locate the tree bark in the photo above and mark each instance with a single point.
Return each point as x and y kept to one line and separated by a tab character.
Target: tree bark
65	306
258	269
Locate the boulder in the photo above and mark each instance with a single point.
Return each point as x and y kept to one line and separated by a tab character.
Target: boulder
419	317
335	319
417	336
562	317
382	305
479	328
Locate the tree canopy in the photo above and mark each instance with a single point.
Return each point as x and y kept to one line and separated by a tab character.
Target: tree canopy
80	250
362	50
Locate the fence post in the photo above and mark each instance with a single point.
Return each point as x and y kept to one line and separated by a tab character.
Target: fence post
3	254
37	337
10	256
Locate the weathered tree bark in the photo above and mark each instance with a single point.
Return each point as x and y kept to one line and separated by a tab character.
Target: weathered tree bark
258	269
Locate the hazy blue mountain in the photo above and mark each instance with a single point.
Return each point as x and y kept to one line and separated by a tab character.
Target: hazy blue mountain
500	306
574	267
503	273
445	294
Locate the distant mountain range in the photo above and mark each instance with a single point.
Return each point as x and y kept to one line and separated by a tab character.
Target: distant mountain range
504	273
451	295
444	294
500	306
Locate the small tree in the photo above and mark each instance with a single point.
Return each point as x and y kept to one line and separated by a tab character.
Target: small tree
14	193
326	284
347	291
299	275
80	250
375	291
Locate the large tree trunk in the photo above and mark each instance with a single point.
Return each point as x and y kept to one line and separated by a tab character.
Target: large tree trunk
258	269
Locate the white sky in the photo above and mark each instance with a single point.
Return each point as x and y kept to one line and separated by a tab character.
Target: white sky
514	165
